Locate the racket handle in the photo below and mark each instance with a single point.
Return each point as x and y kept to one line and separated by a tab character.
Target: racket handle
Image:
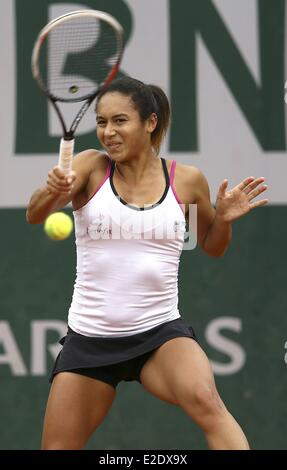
66	155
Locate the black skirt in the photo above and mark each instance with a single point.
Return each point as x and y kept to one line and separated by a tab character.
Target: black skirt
84	351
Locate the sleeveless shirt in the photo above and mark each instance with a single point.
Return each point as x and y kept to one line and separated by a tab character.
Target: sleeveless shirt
127	262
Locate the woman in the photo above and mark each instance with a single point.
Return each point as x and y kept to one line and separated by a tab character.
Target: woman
130	208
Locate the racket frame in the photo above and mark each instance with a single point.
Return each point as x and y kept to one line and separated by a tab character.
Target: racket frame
69	134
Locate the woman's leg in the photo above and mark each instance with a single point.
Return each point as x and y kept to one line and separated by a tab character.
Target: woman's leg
76	407
179	372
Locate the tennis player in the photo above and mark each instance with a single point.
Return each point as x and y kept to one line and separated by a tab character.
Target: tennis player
130	208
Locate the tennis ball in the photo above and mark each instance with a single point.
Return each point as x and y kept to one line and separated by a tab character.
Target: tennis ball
58	226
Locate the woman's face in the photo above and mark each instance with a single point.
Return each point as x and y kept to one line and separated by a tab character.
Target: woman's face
119	127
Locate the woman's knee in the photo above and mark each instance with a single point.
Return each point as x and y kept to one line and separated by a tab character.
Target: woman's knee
202	402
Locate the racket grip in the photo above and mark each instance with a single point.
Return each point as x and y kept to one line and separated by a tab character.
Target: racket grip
66	155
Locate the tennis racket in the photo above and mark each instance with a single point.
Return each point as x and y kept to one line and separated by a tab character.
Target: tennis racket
74	57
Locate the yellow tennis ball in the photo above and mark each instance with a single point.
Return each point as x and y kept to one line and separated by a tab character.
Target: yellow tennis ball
58	226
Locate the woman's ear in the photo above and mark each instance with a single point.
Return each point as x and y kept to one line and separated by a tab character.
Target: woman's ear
152	123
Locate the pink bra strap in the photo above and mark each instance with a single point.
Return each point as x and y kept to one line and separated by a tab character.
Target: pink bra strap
108	172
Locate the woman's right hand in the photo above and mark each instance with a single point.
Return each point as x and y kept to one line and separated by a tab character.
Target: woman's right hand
58	183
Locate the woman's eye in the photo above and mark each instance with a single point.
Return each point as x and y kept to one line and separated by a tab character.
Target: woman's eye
101	123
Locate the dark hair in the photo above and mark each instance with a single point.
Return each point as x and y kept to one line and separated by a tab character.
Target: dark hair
147	99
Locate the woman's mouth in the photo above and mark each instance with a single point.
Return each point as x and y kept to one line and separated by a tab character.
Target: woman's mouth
113	145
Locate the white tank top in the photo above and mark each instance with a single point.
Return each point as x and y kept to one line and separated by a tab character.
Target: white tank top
127	262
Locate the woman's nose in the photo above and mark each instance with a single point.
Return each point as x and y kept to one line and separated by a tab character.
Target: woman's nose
109	129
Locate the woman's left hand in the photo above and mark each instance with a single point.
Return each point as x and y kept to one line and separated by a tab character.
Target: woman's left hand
230	205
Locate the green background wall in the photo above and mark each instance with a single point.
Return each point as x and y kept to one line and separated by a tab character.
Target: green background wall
37	277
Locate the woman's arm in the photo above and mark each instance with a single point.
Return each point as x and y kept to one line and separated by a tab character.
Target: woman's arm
60	189
214	225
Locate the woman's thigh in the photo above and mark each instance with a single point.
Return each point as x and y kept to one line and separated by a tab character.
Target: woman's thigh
177	370
76	406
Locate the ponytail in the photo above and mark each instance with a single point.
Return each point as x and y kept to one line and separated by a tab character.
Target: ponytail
162	110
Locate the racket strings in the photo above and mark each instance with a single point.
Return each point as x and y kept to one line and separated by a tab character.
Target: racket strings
77	57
